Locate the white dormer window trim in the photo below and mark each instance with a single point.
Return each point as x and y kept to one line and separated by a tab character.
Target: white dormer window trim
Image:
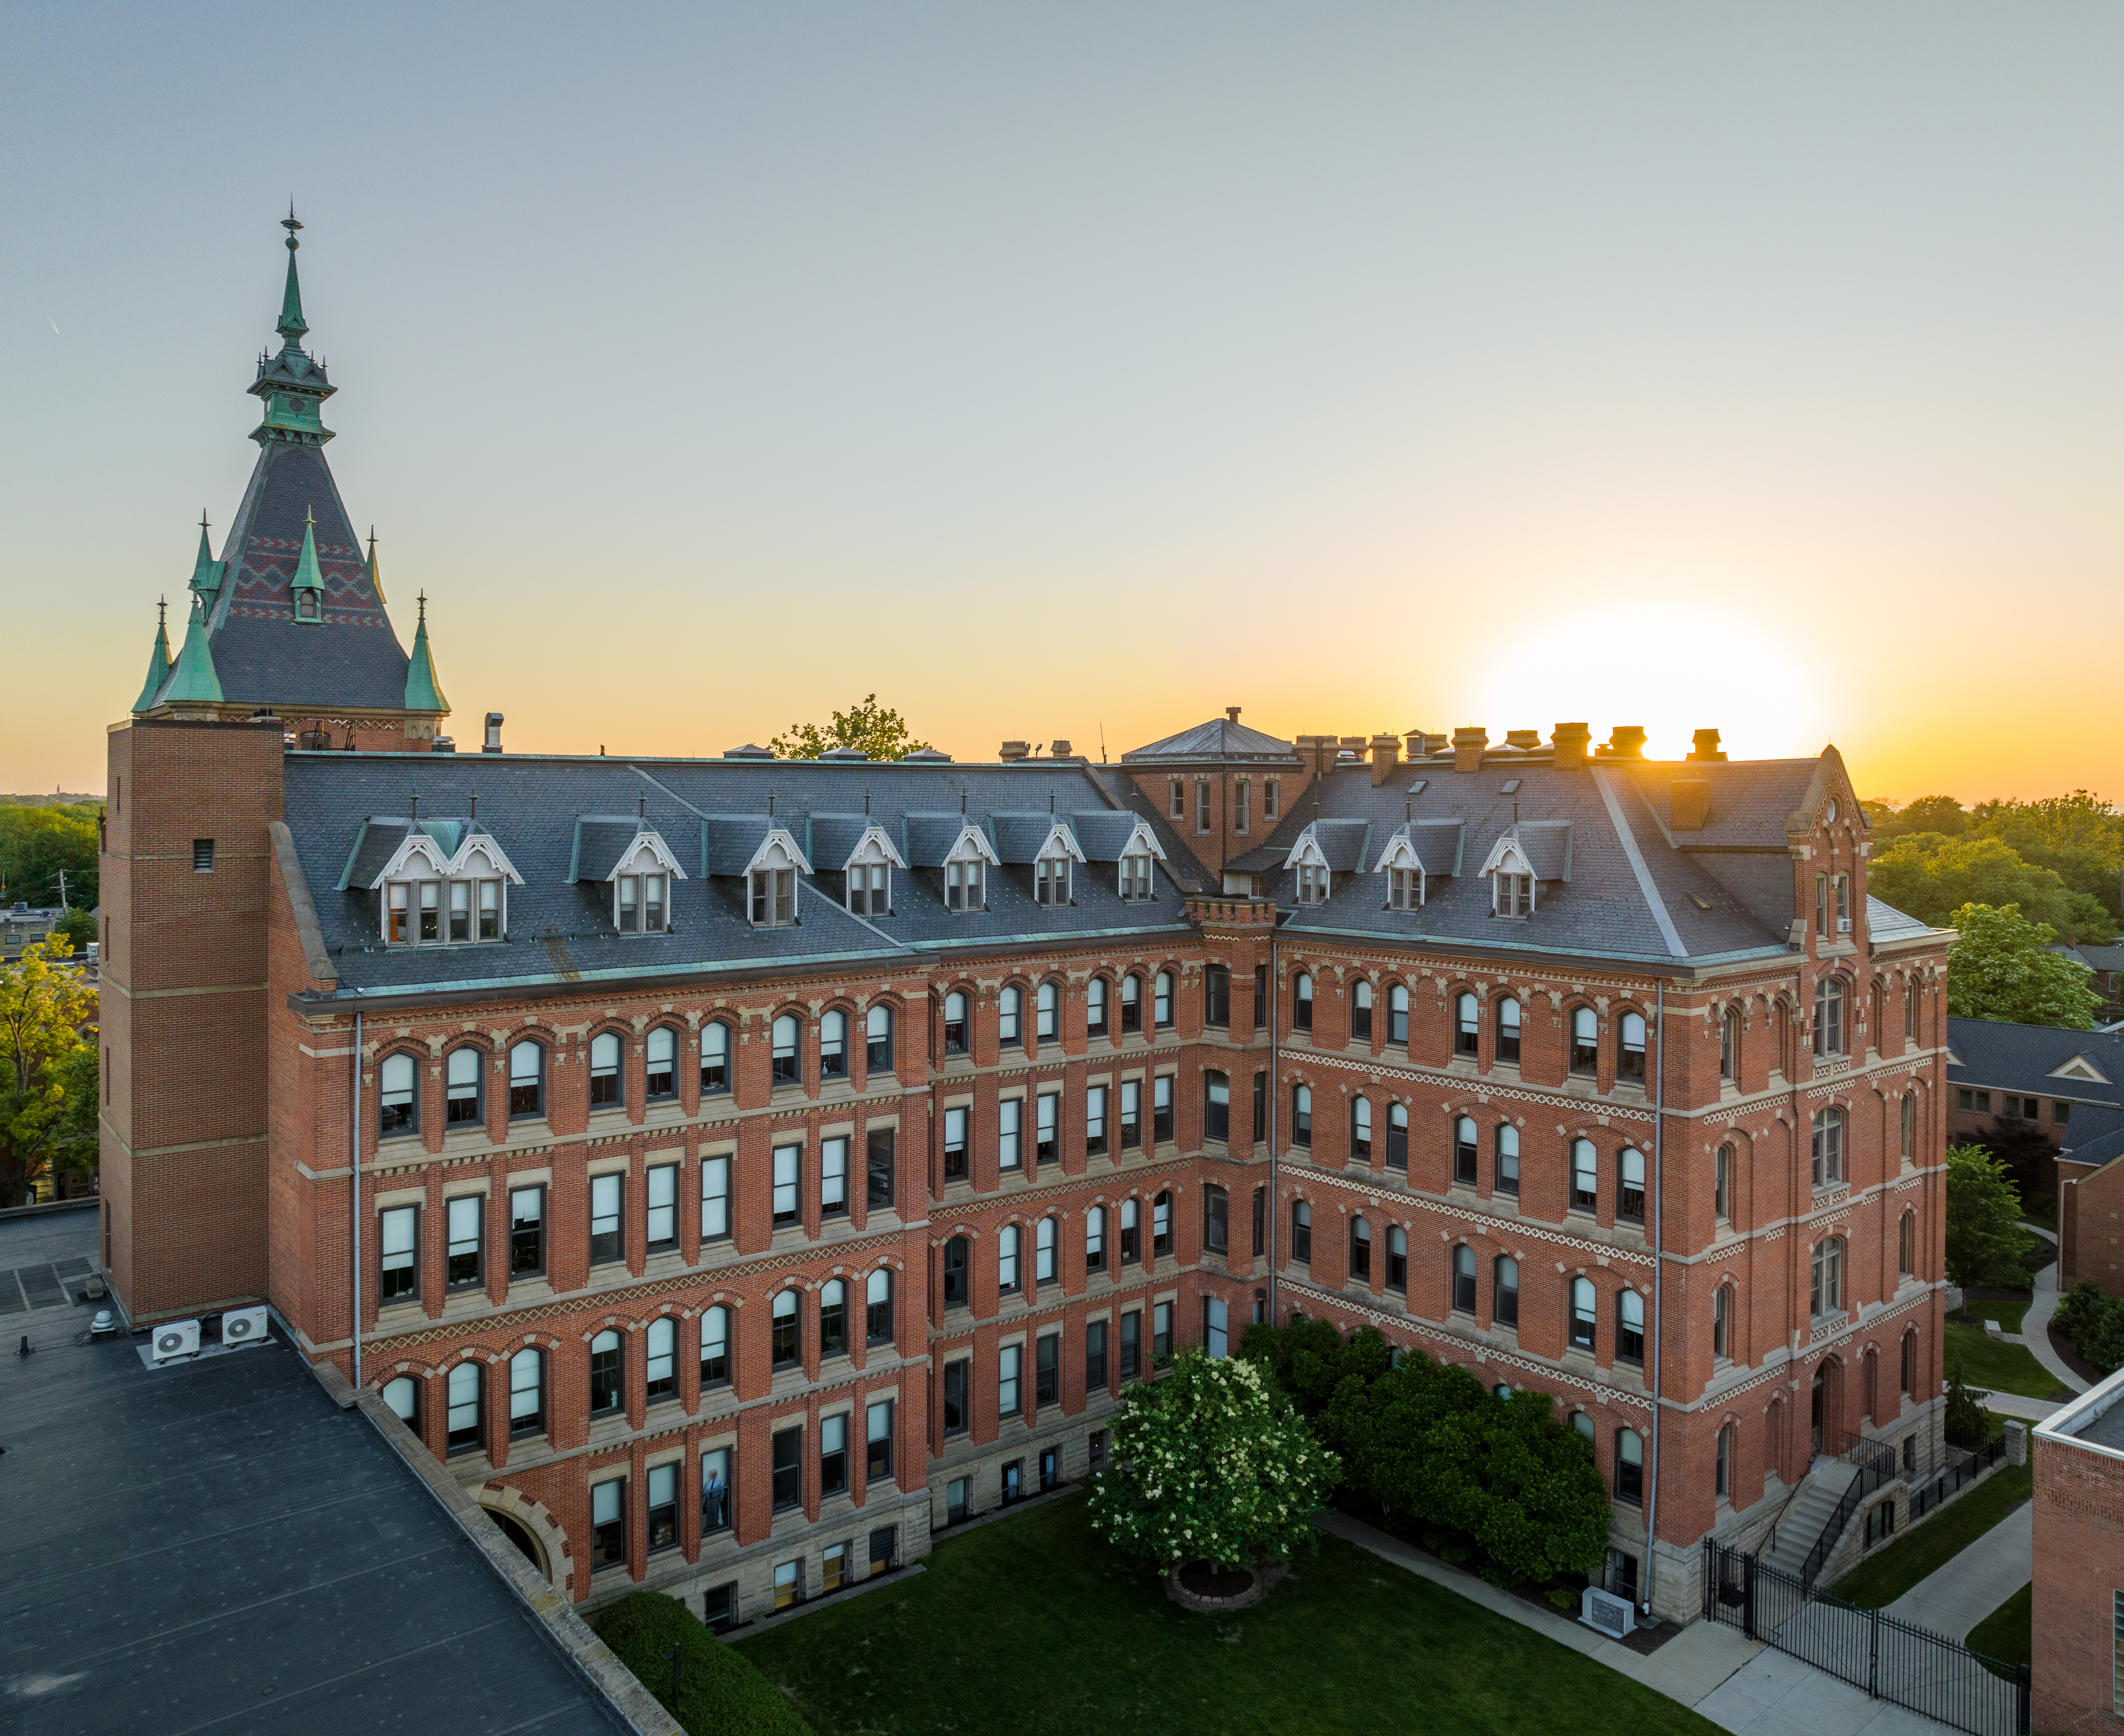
1315	882
1511	879
771	880
641	886
867	875
1403	869
966	864
1050	881
426	899
1139	879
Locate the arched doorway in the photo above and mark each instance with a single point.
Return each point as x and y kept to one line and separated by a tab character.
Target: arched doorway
526	1544
1821	1402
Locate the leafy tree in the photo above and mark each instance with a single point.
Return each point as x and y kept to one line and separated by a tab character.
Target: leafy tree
78	926
876	730
1940	814
1210	1463
2094	1323
1931	875
37	843
1985	1241
1965	1426
48	1087
2002	967
2028	1153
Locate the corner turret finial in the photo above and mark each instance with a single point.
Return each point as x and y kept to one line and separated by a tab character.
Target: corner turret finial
292	326
159	659
423	692
375	578
206	570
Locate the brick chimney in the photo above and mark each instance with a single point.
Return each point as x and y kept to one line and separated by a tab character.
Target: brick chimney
1014	750
1318	753
1419	745
1707	746
1386	753
1231	716
1526	740
1468	742
1689	803
1625	741
1569	741
1058	748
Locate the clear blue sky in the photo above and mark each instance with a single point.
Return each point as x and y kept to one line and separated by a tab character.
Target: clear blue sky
1055	370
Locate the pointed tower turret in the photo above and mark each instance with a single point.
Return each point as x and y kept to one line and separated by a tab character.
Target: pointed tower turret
159	659
292	386
308	586
206	570
423	692
193	681
375	580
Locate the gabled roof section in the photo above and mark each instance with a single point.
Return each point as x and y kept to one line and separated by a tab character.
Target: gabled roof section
1109	835
841	840
388	847
1032	837
607	846
732	845
934	839
1400	852
2081	1066
2041	1060
1507	856
1222	740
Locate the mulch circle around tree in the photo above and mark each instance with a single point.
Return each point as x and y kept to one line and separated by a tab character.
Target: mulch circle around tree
1210	1590
1205	1580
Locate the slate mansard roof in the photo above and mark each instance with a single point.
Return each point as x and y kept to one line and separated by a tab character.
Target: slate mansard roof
564	824
1614	879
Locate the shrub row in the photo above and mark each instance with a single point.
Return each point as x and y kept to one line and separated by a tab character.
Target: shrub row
721	1694
2094	1323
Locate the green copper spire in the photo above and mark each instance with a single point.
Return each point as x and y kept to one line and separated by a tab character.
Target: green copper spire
291	326
206	570
423	692
308	586
193	681
159	659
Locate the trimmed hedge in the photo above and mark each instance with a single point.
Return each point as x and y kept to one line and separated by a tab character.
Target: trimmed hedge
723	1694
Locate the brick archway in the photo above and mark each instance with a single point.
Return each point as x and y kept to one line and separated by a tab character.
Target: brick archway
536	1523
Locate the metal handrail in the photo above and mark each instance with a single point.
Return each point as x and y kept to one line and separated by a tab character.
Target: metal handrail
1873	1464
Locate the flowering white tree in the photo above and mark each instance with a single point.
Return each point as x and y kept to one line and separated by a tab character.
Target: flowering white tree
1211	1464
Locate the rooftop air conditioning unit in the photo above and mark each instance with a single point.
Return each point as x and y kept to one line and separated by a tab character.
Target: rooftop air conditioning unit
1606	1615
243	1326
1844	925
174	1339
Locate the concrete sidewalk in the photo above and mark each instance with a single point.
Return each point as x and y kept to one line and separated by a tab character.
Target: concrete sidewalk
2035	1323
1973	1583
2012	1404
1738	1684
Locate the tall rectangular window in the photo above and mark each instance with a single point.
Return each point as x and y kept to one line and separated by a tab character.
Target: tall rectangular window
662	1507
202	855
1095	1119
1240	805
399	1240
1261	1221
788	1468
606	1194
1161	1109
608	1523
877	1457
1216	1226
788	1171
1160	1330
1216	1106
879	1149
716	1507
1131	1344
1010	1360
1047	1370
1176	799
1095	1355
1271	803
833	1454
1131	1115
715	1198
462	1269
833	1178
1260	997
662	1181
955	1144
1261	1107
1010	1114
1217	997
527	1231
1048	1135
1201	805
956	1415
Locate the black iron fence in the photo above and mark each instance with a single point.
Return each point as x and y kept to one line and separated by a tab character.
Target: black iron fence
1890	1659
1966	1468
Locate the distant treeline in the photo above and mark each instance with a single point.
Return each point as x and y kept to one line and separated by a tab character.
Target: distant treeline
2061	859
38	841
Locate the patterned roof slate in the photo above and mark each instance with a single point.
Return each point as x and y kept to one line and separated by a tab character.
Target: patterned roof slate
1220	739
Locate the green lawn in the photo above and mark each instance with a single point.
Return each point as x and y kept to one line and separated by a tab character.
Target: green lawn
2007	1632
1034	1626
1886	1574
1996	1367
2006	1310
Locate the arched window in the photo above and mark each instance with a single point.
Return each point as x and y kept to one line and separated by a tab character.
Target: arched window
1729	1044
833	1318
463	1420
1828	1146
1467	1024
877	1308
715	1347
1301	1001
877	1031
1585	1315
1781	1037
1131	1005
1906	1244
463	1103
1910	1011
1829	1015
1585	1044
1047	1006
1360	1249
1131	1232
1825	1290
833	1045
1397	1259
1161	1005
1722	1323
1507	1179
1584	1176
1910	1362
1397	1136
1464	1150
1630	1327
605	1070
787	1326
788	1054
660	1060
1010	1016
955	1285
397	1096
1508	1030
527	1078
1630	1184
1505	1290
1909	1126
1630	1049
1301	1231
527	1393
403	1396
1723	1486
1095	1239
662	1363
1007	1246
1361	1131
715	1058
1301	1116
1046	1251
1463	1278
1095	1007
1630	1468
1161	1225
606	1389
1581	1425
955	1023
1397	1015
1360	1011
1721	1183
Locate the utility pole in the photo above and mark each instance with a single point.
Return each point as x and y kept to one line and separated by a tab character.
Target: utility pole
62	903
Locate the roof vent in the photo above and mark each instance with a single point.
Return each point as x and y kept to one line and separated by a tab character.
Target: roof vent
844	754
747	752
1625	741
442	744
1059	748
1707	746
1525	740
1231	714
493	742
928	757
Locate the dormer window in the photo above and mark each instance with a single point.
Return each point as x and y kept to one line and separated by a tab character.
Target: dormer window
1051	880
869	889
309	606
1404	889
1313	881
440	912
1515	894
962	886
773	897
1135	877
639	903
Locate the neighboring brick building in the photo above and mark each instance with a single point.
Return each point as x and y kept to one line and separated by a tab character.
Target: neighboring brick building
2077	1668
858	1132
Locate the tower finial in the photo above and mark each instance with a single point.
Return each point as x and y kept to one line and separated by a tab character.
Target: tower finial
292	326
375	578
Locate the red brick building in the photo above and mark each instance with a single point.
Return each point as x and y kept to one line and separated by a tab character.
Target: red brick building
763	1165
2077	1667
